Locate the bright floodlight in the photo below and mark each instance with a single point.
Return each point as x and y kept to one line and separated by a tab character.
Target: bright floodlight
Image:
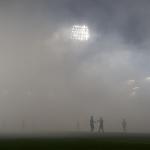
80	33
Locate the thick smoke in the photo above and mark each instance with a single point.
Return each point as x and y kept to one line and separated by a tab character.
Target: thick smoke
50	82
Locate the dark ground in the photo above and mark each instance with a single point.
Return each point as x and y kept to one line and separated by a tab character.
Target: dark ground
77	142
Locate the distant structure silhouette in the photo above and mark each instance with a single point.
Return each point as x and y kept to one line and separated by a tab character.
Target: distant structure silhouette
78	126
92	123
3	124
23	124
101	125
124	125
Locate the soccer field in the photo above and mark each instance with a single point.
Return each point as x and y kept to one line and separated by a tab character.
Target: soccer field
87	142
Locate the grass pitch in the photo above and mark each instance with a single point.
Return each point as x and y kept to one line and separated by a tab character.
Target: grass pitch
78	142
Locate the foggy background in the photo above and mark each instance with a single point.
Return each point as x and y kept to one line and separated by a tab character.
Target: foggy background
49	82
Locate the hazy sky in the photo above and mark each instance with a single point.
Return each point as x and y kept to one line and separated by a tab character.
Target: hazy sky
51	81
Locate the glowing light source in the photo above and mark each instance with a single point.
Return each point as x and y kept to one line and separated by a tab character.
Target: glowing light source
131	82
148	78
136	88
80	33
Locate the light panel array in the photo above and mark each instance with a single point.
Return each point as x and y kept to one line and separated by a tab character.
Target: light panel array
80	33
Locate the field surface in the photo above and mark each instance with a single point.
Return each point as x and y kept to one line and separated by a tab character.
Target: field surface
77	142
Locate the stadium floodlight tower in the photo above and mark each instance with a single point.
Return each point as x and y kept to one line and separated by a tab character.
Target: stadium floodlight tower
80	33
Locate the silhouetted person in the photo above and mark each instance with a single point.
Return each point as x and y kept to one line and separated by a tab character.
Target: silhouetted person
92	123
101	125
124	125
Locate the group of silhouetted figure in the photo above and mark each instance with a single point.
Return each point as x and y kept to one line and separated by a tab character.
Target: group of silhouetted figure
100	123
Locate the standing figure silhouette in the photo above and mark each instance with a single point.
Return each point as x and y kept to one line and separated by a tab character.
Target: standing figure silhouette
124	125
92	123
101	125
